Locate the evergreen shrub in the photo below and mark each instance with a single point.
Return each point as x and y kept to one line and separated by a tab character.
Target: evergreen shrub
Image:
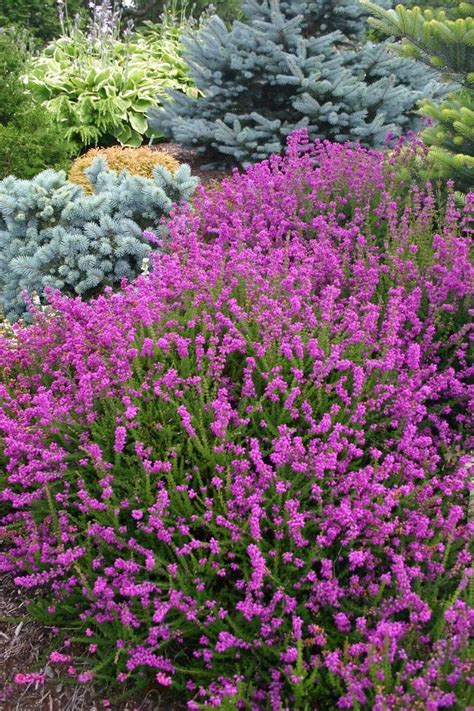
29	141
291	64
136	161
244	477
53	235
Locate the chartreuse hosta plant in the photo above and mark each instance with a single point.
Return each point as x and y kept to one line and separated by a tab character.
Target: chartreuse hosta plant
244	477
101	97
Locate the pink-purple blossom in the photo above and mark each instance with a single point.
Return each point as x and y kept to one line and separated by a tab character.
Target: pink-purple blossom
248	472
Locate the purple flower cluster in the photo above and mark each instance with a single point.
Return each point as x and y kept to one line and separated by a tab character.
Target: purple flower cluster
247	473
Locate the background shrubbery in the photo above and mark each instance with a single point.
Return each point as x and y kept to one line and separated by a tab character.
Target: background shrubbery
40	17
290	65
99	79
152	10
29	140
244	477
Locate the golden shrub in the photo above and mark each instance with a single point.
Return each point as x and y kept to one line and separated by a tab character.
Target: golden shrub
138	161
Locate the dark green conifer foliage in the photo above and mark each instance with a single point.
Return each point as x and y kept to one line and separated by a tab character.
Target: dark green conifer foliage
441	37
29	142
293	63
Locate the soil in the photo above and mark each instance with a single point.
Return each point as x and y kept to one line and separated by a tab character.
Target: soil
23	648
22	641
196	162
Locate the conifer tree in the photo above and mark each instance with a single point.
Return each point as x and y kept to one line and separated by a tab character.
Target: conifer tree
29	140
454	9
443	38
291	64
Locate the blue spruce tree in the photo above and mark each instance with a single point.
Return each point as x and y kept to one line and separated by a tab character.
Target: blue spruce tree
292	64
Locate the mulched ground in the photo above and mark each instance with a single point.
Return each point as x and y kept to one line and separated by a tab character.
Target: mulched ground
196	163
23	642
23	647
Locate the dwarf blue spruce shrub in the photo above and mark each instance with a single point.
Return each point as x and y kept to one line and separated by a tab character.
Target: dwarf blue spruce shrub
53	235
292	64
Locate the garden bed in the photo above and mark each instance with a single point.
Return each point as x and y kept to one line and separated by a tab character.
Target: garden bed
236	416
230	487
208	177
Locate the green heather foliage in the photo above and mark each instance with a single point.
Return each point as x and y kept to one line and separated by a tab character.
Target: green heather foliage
54	235
100	88
29	141
294	64
443	38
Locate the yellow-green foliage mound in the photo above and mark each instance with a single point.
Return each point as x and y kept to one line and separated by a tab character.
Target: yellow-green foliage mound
138	161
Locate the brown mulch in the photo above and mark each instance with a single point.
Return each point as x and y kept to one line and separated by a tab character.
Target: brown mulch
22	642
23	648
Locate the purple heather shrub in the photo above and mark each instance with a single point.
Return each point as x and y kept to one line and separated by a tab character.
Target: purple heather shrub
246	475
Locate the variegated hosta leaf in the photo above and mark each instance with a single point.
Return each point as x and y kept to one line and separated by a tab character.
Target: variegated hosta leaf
103	93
